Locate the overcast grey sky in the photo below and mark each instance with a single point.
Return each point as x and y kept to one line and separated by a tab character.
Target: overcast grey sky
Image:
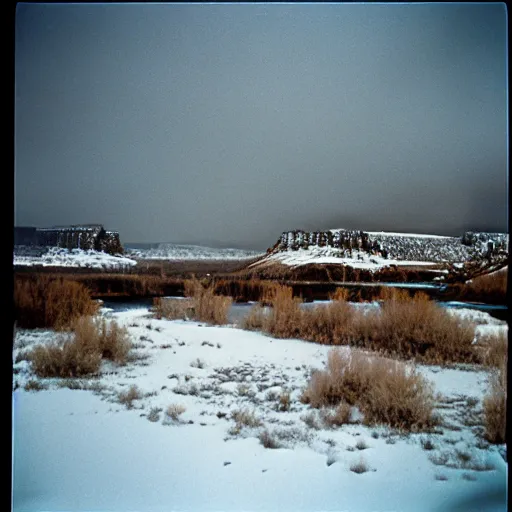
225	124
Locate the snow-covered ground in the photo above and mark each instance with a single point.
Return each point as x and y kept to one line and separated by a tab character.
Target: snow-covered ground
324	255
59	257
176	252
83	450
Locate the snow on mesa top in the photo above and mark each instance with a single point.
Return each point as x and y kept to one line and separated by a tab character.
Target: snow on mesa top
373	250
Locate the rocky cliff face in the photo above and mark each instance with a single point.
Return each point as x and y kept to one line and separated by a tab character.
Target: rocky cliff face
344	240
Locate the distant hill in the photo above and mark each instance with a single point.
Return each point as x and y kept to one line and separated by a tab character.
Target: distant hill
180	252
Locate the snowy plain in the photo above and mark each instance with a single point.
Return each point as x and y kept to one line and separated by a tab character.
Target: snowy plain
79	449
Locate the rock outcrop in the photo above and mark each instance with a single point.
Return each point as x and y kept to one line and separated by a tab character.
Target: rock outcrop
86	237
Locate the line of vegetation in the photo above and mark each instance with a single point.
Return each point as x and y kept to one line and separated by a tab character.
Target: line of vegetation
410	327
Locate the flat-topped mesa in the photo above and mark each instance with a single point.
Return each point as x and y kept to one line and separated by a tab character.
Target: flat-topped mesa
396	246
86	237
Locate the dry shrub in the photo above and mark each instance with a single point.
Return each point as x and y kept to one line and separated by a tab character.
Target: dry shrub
416	327
246	418
174	411
310	420
198	363
207	307
44	301
400	397
331	324
495	406
211	308
192	287
154	414
284	401
113	340
66	360
346	379
268	440
80	352
284	319
128	397
385	391
359	467
494	349
173	309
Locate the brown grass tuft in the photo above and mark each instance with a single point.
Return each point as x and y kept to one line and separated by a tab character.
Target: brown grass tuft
128	397
284	319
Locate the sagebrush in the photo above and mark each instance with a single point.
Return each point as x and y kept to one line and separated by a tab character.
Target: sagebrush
386	391
80	351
